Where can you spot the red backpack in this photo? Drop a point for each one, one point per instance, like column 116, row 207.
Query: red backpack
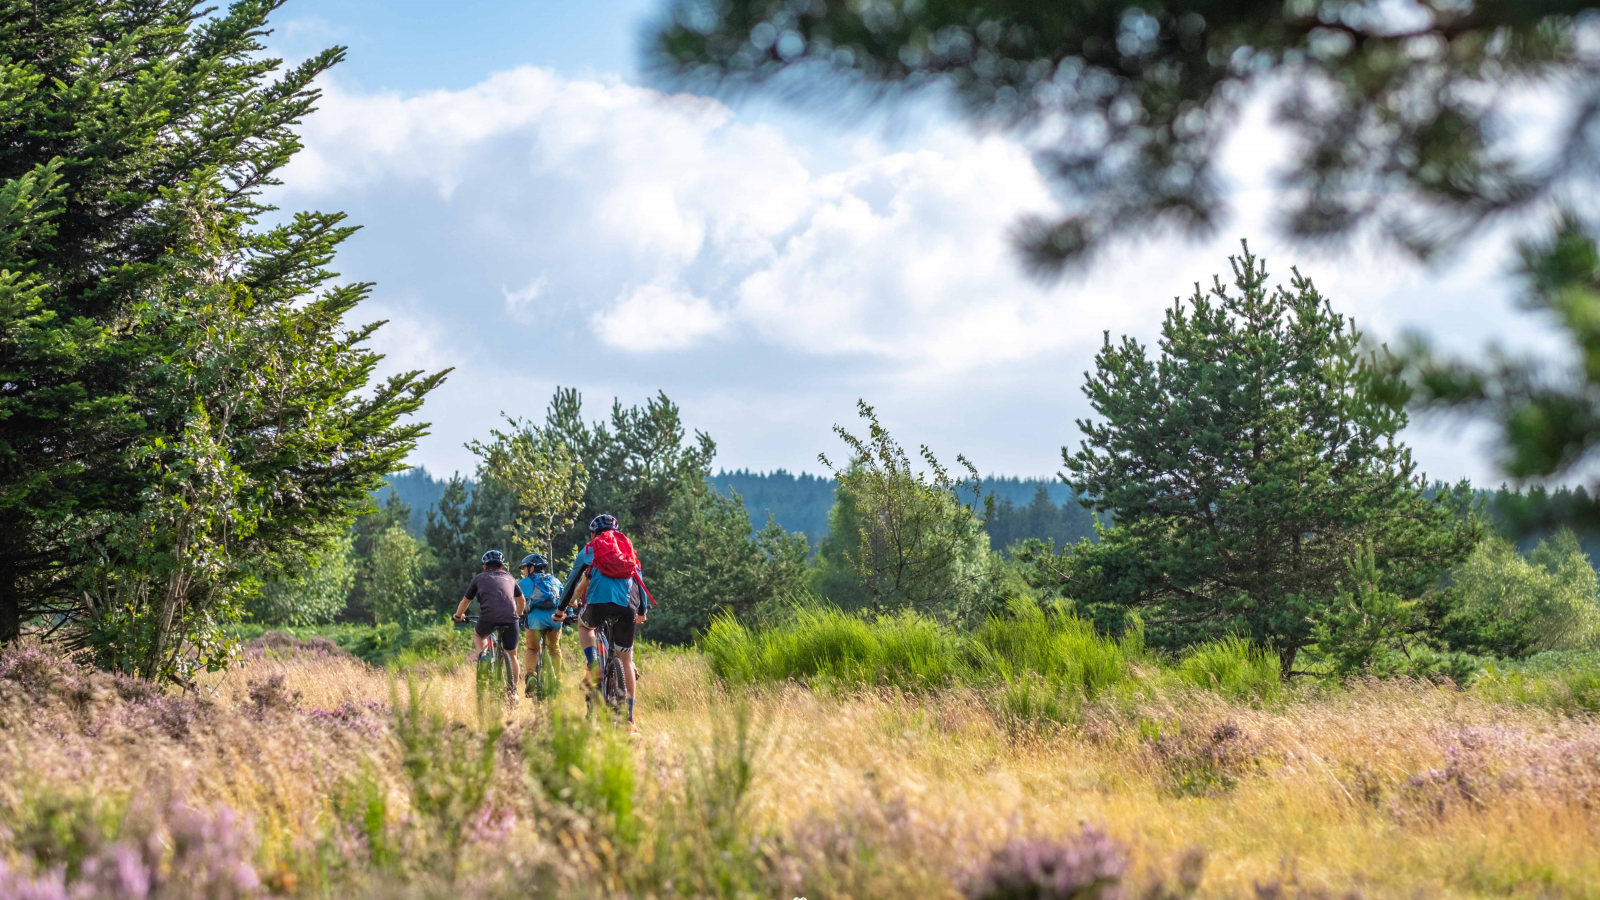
column 613, row 555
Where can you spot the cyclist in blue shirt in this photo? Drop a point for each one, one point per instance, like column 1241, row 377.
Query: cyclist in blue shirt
column 614, row 600
column 542, row 591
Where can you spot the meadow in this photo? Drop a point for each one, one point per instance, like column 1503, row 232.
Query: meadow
column 823, row 758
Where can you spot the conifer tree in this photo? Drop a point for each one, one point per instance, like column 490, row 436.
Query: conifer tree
column 1245, row 468
column 181, row 401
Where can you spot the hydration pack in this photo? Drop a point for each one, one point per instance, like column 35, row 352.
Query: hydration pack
column 613, row 555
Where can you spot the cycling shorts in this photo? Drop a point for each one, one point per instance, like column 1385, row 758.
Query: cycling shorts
column 508, row 632
column 621, row 619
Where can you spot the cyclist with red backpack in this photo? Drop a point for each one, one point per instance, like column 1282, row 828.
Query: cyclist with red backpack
column 613, row 583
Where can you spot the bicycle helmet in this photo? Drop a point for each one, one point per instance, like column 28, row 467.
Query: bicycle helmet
column 535, row 560
column 494, row 558
column 601, row 523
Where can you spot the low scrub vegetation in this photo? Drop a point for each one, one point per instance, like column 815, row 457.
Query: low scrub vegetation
column 308, row 772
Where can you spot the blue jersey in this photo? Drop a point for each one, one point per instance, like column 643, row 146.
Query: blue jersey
column 601, row 588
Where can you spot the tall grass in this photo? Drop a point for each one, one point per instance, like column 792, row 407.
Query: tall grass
column 1232, row 668
column 1400, row 789
column 824, row 645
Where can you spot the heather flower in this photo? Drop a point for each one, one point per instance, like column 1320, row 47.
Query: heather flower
column 1088, row 867
column 15, row 885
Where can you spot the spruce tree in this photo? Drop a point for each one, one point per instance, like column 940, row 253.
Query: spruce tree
column 1245, row 467
column 182, row 407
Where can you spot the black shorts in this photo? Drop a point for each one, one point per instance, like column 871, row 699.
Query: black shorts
column 620, row 617
column 508, row 632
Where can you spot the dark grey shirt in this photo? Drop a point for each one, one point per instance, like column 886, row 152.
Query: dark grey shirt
column 496, row 592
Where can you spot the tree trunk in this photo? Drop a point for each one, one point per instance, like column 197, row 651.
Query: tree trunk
column 1286, row 657
column 10, row 603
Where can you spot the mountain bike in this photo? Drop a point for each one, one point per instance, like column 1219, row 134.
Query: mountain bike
column 495, row 667
column 544, row 683
column 612, row 688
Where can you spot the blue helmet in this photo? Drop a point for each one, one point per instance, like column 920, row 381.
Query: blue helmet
column 538, row 562
column 601, row 523
column 494, row 558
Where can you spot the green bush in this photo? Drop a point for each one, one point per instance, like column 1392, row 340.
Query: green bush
column 907, row 650
column 1565, row 682
column 1061, row 649
column 387, row 645
column 1233, row 668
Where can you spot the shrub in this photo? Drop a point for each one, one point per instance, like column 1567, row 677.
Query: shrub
column 1200, row 762
column 1088, row 867
column 1066, row 652
column 906, row 650
column 1232, row 667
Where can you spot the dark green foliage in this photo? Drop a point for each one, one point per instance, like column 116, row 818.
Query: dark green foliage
column 799, row 503
column 703, row 562
column 1039, row 520
column 366, row 532
column 637, row 462
column 182, row 409
column 1267, row 466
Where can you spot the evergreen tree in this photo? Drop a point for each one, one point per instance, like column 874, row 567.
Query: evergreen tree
column 453, row 547
column 365, row 536
column 1246, row 468
column 182, row 410
column 703, row 562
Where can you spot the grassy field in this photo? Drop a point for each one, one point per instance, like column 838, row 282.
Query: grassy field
column 310, row 772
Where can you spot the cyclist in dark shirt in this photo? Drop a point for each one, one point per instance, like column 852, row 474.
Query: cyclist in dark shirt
column 500, row 605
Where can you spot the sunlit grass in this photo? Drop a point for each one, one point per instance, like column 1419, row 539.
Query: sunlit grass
column 875, row 790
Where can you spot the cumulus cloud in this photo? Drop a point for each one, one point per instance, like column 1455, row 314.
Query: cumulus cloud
column 657, row 316
column 690, row 227
column 534, row 230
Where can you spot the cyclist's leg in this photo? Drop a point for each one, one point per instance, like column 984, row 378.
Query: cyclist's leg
column 552, row 651
column 530, row 661
column 586, row 625
column 622, row 632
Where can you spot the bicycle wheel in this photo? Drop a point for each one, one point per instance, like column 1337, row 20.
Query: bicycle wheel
column 507, row 679
column 615, row 689
column 540, row 691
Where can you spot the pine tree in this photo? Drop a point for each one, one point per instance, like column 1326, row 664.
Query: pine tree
column 1245, row 468
column 182, row 408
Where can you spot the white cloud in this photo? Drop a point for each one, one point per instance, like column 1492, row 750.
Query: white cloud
column 657, row 316
column 808, row 271
column 900, row 256
column 519, row 303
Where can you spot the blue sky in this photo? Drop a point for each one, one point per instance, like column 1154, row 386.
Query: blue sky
column 536, row 214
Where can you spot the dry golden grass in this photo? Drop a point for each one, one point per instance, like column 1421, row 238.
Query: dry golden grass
column 1393, row 790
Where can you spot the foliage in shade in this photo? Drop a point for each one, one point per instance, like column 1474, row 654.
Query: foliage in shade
column 313, row 597
column 184, row 411
column 1245, row 467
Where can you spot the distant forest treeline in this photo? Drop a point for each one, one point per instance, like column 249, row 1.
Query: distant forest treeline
column 1041, row 508
column 1024, row 507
